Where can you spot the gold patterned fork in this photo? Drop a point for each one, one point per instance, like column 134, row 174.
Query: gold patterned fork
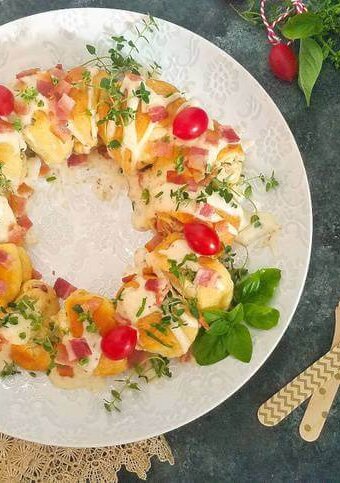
column 281, row 404
column 321, row 401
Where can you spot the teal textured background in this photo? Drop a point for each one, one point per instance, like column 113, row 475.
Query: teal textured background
column 229, row 444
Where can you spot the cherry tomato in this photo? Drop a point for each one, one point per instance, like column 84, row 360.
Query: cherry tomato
column 119, row 342
column 190, row 123
column 201, row 238
column 6, row 101
column 283, row 62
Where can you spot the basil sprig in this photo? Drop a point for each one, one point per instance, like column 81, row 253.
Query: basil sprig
column 304, row 27
column 228, row 333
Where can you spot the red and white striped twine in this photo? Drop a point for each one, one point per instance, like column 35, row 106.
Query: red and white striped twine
column 297, row 7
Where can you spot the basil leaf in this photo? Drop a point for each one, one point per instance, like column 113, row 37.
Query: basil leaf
column 258, row 287
column 310, row 64
column 223, row 325
column 302, row 26
column 239, row 343
column 209, row 349
column 261, row 316
column 212, row 315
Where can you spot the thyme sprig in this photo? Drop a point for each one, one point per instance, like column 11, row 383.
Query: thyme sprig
column 5, row 183
column 9, row 369
column 114, row 404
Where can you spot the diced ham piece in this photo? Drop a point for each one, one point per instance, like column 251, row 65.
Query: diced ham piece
column 57, row 71
column 65, row 371
column 44, row 169
column 128, row 278
column 64, row 107
column 173, row 177
column 17, row 204
column 45, row 88
column 25, row 190
column 206, row 210
column 61, row 88
column 195, row 151
column 62, row 355
column 3, row 287
column 36, row 275
column 157, row 113
column 28, row 72
column 4, row 258
column 16, row 234
column 122, row 320
column 76, row 159
column 5, row 126
column 24, row 222
column 63, row 288
column 206, row 277
column 197, row 158
column 154, row 242
column 229, row 134
column 212, row 137
column 21, row 107
column 162, row 149
column 159, row 286
column 80, row 349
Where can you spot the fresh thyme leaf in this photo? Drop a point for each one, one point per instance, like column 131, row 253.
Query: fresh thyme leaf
column 255, row 220
column 117, row 299
column 143, row 94
column 159, row 194
column 161, row 366
column 49, row 179
column 17, row 124
column 141, row 308
column 85, row 316
column 152, row 367
column 114, row 144
column 193, row 307
column 181, row 196
column 179, row 164
column 9, row 369
column 146, row 196
column 84, row 361
column 91, row 49
column 29, row 94
column 86, row 76
column 5, row 183
column 114, row 403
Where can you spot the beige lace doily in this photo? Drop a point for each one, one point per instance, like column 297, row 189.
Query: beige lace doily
column 22, row 461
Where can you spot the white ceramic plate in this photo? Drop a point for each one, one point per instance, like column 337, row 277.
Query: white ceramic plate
column 89, row 242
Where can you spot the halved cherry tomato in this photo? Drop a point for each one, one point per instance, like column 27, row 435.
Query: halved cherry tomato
column 190, row 123
column 119, row 342
column 6, row 101
column 201, row 238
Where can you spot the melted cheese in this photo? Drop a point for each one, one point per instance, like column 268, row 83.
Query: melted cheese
column 12, row 332
column 133, row 299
